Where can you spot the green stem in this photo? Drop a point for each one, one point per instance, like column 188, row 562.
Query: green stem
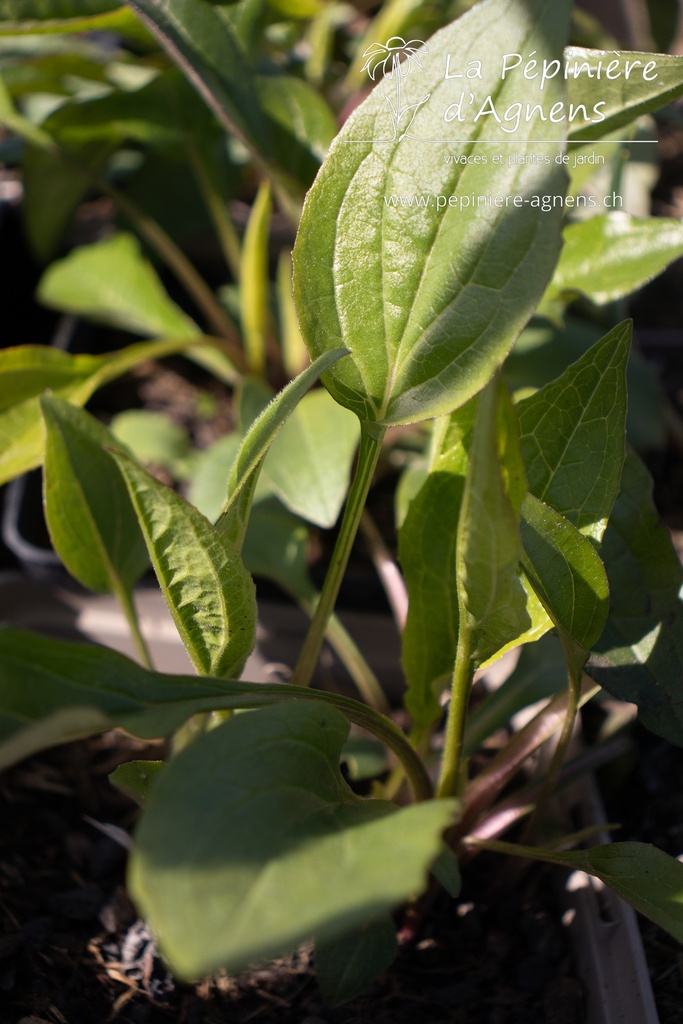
column 125, row 598
column 225, row 229
column 368, row 456
column 451, row 780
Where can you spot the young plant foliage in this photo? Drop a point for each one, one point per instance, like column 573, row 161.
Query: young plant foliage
column 202, row 576
column 252, row 842
column 89, row 514
column 429, row 298
column 110, row 281
column 572, row 435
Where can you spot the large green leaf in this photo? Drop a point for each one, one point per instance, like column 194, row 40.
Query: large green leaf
column 52, row 691
column 91, row 521
column 397, row 258
column 492, row 605
column 309, row 464
column 566, row 572
column 207, row 588
column 111, row 281
column 639, row 656
column 252, row 842
column 623, row 99
column 254, row 447
column 573, row 435
column 607, row 257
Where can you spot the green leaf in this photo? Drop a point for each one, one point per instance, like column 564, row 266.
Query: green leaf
column 208, row 590
column 491, row 599
column 112, row 282
column 427, row 545
column 89, row 515
column 135, row 778
column 153, row 438
column 284, row 125
column 52, row 192
column 252, row 842
column 572, row 435
column 427, row 552
column 566, row 572
column 117, row 19
column 647, row 878
column 44, row 10
column 544, row 352
column 624, row 100
column 52, row 691
column 276, row 542
column 209, row 484
column 301, row 124
column 309, row 464
column 258, row 439
column 28, row 370
column 639, row 657
column 346, row 966
column 254, row 281
column 276, row 548
column 429, row 300
column 608, row 257
column 294, row 354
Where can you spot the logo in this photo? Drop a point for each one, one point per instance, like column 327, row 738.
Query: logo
column 395, row 59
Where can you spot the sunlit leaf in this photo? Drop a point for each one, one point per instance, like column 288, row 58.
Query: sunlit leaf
column 429, row 296
column 112, row 282
column 208, row 590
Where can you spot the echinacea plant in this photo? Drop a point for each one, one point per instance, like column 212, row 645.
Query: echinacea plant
column 531, row 516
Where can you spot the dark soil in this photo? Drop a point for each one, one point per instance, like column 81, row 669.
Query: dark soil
column 72, row 950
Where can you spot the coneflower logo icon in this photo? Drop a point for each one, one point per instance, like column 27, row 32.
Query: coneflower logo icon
column 395, row 59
